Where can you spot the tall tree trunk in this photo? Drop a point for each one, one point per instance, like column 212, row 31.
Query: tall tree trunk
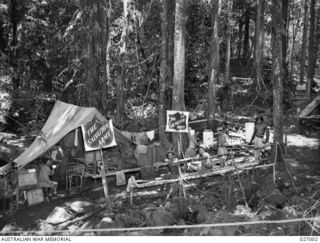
column 94, row 56
column 240, row 37
column 179, row 62
column 13, row 47
column 91, row 69
column 103, row 19
column 214, row 63
column 317, row 37
column 108, row 33
column 277, row 72
column 294, row 35
column 164, row 73
column 284, row 37
column 259, row 39
column 228, row 51
column 3, row 39
column 122, row 78
column 171, row 26
column 304, row 40
column 311, row 49
column 246, row 49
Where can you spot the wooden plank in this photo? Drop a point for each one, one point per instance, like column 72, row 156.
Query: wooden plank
column 220, row 171
column 113, row 173
column 160, row 164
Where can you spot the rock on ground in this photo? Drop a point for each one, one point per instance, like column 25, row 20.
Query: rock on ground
column 202, row 214
column 81, row 206
column 133, row 218
column 105, row 223
column 46, row 228
column 276, row 197
column 158, row 217
column 9, row 228
column 58, row 216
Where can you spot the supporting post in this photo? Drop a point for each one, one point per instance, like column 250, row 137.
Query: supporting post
column 229, row 194
column 182, row 192
column 180, row 146
column 169, row 194
column 181, row 183
column 274, row 167
column 17, row 197
column 104, row 183
column 239, row 179
column 131, row 196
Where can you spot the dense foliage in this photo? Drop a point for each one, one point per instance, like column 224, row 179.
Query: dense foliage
column 45, row 54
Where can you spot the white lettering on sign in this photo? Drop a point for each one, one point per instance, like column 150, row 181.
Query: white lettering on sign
column 98, row 134
column 173, row 124
column 104, row 138
column 92, row 129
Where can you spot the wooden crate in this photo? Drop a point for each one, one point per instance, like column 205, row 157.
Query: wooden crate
column 35, row 196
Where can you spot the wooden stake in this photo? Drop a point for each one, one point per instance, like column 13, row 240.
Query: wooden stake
column 181, row 183
column 274, row 165
column 131, row 196
column 179, row 146
column 239, row 179
column 229, row 194
column 104, row 183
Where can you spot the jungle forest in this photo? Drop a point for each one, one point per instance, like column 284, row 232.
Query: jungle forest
column 219, row 64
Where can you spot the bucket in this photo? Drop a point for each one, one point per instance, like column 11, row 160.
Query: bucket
column 208, row 138
column 249, row 128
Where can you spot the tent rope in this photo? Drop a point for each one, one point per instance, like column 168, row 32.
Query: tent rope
column 233, row 224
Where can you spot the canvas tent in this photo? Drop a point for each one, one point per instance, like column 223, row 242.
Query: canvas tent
column 311, row 108
column 63, row 119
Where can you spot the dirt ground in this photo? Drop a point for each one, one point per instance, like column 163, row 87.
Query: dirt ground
column 303, row 156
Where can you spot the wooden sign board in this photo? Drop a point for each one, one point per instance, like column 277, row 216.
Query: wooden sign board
column 177, row 121
column 97, row 135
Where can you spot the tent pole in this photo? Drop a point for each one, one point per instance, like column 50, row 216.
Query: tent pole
column 104, row 182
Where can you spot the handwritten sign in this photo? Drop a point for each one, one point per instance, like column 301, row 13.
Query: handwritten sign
column 177, row 121
column 97, row 134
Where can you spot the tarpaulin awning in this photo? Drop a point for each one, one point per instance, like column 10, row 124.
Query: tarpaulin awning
column 63, row 119
column 310, row 107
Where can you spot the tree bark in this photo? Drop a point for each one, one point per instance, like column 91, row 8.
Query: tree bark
column 179, row 62
column 259, row 39
column 317, row 37
column 228, row 51
column 171, row 25
column 311, row 49
column 214, row 63
column 13, row 47
column 246, row 49
column 284, row 37
column 94, row 53
column 108, row 32
column 304, row 41
column 122, row 57
column 240, row 37
column 3, row 39
column 294, row 35
column 103, row 19
column 277, row 73
column 164, row 73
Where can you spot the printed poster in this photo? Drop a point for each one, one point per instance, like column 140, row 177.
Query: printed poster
column 97, row 134
column 177, row 121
